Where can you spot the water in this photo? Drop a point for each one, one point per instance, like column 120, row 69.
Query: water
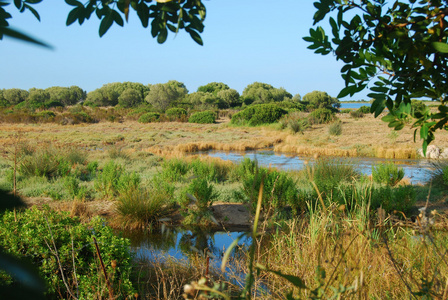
column 417, row 170
column 345, row 105
column 180, row 243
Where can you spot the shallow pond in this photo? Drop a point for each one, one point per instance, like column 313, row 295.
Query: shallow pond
column 352, row 105
column 417, row 170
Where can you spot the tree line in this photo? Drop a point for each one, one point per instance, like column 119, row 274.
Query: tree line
column 162, row 96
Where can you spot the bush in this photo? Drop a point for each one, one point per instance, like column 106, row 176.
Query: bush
column 43, row 162
column 388, row 174
column 279, row 189
column 174, row 169
column 113, row 180
column 346, row 111
column 149, row 117
column 321, row 116
column 210, row 170
column 198, row 198
column 391, row 199
column 53, row 241
column 45, row 116
column 203, row 117
column 143, row 208
column 364, row 109
column 176, row 114
column 335, row 128
column 356, row 114
column 258, row 114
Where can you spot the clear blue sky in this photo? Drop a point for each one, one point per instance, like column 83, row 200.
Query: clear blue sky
column 244, row 41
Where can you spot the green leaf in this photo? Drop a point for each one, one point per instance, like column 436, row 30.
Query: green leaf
column 117, row 18
column 72, row 16
column 73, row 3
column 345, row 91
column 163, row 34
column 440, row 47
column 7, row 31
column 106, row 23
column 296, row 281
column 424, row 129
column 33, row 11
column 388, row 118
column 18, row 4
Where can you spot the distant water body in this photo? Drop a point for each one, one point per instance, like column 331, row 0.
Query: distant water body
column 345, row 105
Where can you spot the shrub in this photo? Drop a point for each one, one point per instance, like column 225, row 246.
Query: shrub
column 328, row 174
column 198, row 197
column 45, row 116
column 335, row 128
column 176, row 114
column 321, row 116
column 143, row 208
column 346, row 111
column 43, row 162
column 388, row 174
column 113, row 180
column 53, row 241
column 149, row 117
column 392, row 199
column 356, row 114
column 258, row 114
column 364, row 109
column 445, row 175
column 210, row 170
column 203, row 117
column 174, row 169
column 279, row 189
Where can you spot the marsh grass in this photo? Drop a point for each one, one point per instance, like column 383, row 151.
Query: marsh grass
column 140, row 208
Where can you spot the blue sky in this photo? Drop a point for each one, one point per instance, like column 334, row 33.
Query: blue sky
column 244, row 41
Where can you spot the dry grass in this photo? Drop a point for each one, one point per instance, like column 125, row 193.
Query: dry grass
column 365, row 136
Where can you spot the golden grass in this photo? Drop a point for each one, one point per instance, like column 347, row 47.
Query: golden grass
column 364, row 136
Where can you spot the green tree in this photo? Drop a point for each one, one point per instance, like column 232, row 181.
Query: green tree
column 163, row 95
column 213, row 87
column 163, row 16
column 228, row 98
column 15, row 96
column 66, row 95
column 401, row 46
column 318, row 99
column 37, row 98
column 258, row 93
column 130, row 98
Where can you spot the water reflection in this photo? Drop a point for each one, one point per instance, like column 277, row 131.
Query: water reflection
column 417, row 170
column 181, row 243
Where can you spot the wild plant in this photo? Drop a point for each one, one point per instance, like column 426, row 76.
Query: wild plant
column 144, row 208
column 114, row 179
column 174, row 169
column 335, row 128
column 197, row 199
column 387, row 173
column 64, row 251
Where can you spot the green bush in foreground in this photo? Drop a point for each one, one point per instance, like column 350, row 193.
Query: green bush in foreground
column 335, row 128
column 203, row 117
column 388, row 174
column 322, row 116
column 53, row 241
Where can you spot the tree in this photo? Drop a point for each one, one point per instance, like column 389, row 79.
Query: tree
column 213, row 87
column 401, row 46
column 318, row 99
column 229, row 98
column 37, row 98
column 130, row 98
column 15, row 96
column 66, row 95
column 259, row 92
column 164, row 15
column 162, row 95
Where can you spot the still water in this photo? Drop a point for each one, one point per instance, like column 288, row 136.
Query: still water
column 352, row 105
column 417, row 170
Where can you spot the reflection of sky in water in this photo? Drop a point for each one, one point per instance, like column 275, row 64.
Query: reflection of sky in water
column 179, row 243
column 417, row 170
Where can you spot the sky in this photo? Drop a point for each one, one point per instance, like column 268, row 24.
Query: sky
column 244, row 41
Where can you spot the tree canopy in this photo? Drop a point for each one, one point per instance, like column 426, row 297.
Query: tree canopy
column 400, row 46
column 162, row 15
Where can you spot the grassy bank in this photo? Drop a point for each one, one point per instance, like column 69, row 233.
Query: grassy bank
column 364, row 136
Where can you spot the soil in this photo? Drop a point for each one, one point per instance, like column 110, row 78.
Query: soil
column 228, row 216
